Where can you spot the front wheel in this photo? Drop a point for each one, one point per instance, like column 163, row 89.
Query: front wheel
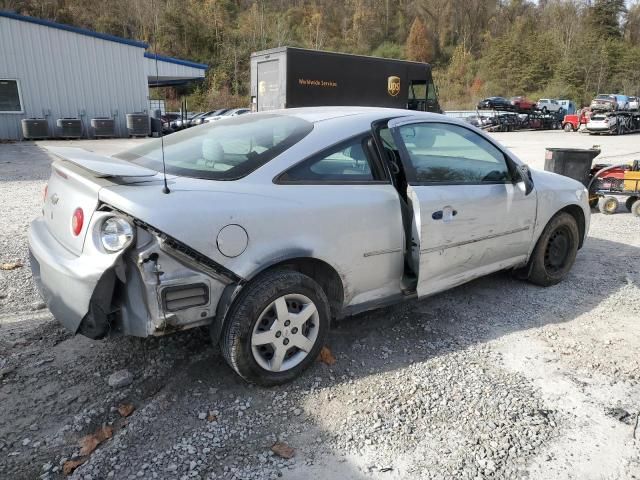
column 276, row 327
column 568, row 127
column 555, row 251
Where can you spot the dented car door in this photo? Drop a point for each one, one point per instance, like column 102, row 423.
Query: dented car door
column 470, row 215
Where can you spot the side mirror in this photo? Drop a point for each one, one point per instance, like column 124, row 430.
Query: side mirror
column 525, row 176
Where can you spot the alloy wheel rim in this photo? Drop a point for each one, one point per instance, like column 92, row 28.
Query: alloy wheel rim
column 285, row 332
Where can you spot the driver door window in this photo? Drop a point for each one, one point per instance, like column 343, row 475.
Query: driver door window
column 450, row 154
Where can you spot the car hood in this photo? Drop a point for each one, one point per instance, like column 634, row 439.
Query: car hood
column 544, row 180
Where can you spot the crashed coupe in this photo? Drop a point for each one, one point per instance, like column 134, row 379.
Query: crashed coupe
column 273, row 224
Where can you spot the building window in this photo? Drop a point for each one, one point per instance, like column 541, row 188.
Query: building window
column 10, row 101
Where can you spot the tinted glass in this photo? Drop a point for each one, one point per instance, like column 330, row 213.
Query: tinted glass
column 443, row 153
column 431, row 92
column 268, row 85
column 9, row 97
column 222, row 150
column 418, row 90
column 348, row 162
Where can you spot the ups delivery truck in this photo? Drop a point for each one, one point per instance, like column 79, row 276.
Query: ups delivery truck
column 290, row 77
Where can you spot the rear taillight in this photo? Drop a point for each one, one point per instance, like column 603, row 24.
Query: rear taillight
column 44, row 193
column 76, row 221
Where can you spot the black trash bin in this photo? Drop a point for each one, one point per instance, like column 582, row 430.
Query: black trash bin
column 571, row 162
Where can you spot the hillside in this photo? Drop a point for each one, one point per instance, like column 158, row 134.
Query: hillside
column 559, row 48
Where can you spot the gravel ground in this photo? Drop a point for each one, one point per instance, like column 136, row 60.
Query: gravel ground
column 495, row 379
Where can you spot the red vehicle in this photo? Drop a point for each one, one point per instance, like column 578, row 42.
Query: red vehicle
column 571, row 123
column 522, row 103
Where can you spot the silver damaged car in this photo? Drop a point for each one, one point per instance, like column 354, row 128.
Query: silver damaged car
column 273, row 224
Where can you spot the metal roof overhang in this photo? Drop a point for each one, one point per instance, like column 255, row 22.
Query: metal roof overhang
column 172, row 71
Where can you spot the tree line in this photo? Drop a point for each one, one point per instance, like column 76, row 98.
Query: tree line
column 550, row 48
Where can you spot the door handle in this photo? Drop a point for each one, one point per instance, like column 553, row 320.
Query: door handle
column 440, row 214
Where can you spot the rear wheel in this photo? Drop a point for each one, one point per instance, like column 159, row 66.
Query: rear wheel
column 629, row 202
column 555, row 251
column 608, row 205
column 635, row 208
column 276, row 327
column 568, row 127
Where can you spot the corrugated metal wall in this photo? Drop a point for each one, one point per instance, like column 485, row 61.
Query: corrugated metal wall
column 63, row 73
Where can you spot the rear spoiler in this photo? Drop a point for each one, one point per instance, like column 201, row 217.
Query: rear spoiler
column 100, row 165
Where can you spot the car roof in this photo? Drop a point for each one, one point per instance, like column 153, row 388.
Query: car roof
column 320, row 114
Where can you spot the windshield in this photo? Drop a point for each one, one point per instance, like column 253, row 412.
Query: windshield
column 225, row 150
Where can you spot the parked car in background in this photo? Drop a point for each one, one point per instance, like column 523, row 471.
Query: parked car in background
column 604, row 103
column 192, row 120
column 494, row 102
column 229, row 113
column 601, row 123
column 256, row 236
column 568, row 106
column 169, row 117
column 183, row 121
column 548, row 105
column 633, row 103
column 476, row 120
column 522, row 103
column 622, row 101
column 212, row 113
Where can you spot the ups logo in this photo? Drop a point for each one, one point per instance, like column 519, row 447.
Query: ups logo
column 393, row 85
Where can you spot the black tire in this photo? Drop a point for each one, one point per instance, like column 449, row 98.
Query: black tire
column 555, row 252
column 635, row 208
column 544, row 110
column 593, row 202
column 235, row 340
column 608, row 205
column 629, row 202
column 568, row 127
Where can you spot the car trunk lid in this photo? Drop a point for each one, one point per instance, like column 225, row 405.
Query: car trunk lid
column 74, row 184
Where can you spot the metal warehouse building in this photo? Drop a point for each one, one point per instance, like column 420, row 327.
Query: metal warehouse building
column 52, row 71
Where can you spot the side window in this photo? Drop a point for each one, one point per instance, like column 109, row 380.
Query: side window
column 347, row 162
column 444, row 153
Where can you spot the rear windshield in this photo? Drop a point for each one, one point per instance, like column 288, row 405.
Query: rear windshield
column 222, row 150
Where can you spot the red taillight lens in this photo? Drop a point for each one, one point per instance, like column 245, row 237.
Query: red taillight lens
column 44, row 193
column 76, row 221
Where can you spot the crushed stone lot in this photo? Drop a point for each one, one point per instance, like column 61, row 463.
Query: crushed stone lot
column 494, row 379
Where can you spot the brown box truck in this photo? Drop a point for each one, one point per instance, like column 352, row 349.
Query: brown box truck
column 290, row 77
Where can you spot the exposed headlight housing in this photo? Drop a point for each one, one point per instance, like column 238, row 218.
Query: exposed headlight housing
column 115, row 234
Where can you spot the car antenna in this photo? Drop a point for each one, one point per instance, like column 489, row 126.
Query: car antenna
column 165, row 189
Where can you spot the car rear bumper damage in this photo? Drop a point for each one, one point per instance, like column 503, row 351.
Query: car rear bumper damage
column 150, row 288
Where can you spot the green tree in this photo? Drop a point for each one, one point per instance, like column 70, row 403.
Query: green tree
column 605, row 16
